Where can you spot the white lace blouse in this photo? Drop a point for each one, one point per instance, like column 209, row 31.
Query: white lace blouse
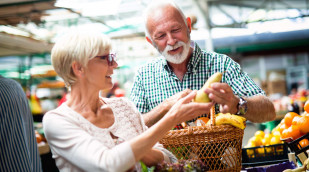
column 78, row 145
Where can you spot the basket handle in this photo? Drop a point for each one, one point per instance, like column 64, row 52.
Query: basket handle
column 213, row 116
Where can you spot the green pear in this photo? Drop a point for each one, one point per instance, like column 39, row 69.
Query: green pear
column 201, row 96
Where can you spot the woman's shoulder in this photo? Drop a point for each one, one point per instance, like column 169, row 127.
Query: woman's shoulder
column 61, row 112
column 121, row 104
column 118, row 100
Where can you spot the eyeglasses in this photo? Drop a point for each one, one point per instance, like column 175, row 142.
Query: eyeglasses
column 111, row 58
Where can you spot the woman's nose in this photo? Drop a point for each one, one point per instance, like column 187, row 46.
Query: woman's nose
column 115, row 64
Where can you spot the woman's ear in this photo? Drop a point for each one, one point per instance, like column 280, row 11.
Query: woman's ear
column 77, row 68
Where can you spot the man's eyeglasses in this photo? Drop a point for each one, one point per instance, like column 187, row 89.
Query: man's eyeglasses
column 111, row 58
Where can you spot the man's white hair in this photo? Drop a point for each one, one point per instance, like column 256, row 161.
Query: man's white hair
column 157, row 5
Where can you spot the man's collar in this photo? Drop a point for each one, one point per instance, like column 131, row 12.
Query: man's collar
column 195, row 58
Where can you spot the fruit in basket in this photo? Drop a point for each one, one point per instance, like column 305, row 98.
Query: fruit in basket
column 234, row 120
column 303, row 143
column 201, row 121
column 201, row 96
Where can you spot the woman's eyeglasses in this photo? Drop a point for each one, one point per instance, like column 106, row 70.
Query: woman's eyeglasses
column 111, row 58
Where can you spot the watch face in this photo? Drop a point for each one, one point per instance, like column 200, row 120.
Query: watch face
column 242, row 106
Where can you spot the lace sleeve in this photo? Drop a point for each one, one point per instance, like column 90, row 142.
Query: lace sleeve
column 168, row 156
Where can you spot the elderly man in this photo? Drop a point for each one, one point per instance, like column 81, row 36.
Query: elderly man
column 184, row 66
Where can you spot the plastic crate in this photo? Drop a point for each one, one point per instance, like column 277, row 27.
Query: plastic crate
column 264, row 155
column 296, row 147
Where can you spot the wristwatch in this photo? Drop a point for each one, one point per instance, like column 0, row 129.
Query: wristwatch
column 242, row 107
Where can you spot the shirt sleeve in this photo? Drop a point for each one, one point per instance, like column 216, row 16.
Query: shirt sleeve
column 241, row 83
column 78, row 147
column 168, row 156
column 138, row 94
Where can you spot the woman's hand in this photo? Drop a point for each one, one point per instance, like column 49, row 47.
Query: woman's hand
column 153, row 157
column 169, row 102
column 184, row 109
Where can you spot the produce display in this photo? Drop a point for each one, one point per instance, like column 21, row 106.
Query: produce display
column 262, row 140
column 292, row 126
column 292, row 130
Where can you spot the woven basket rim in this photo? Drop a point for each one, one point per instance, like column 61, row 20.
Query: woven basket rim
column 205, row 129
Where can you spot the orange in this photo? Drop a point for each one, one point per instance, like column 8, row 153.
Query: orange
column 295, row 120
column 266, row 139
column 303, row 143
column 259, row 133
column 282, row 127
column 275, row 140
column 38, row 136
column 202, row 121
column 305, row 114
column 250, row 152
column 260, row 150
column 306, row 106
column 257, row 140
column 289, row 117
column 276, row 133
column 292, row 132
column 284, row 134
column 303, row 124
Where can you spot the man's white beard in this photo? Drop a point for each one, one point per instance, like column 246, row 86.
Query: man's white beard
column 177, row 58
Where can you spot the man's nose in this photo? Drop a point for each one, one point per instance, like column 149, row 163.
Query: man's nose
column 171, row 40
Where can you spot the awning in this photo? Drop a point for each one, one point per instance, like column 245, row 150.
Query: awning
column 11, row 45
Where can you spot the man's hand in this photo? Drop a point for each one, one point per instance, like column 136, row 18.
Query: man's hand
column 222, row 93
column 260, row 108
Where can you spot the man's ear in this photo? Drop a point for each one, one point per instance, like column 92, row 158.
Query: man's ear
column 189, row 23
column 77, row 68
column 149, row 40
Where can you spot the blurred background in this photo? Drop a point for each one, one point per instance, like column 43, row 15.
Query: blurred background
column 268, row 38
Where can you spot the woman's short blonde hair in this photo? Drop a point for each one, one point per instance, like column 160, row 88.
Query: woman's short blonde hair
column 77, row 46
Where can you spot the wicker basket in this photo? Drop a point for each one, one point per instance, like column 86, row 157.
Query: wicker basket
column 219, row 147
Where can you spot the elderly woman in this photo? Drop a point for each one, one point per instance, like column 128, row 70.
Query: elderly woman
column 92, row 133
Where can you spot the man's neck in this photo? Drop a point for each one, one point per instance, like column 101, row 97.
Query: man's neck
column 180, row 69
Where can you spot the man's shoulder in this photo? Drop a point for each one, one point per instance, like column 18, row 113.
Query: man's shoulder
column 153, row 64
column 213, row 54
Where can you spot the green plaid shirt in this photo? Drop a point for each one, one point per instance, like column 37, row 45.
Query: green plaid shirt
column 155, row 81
